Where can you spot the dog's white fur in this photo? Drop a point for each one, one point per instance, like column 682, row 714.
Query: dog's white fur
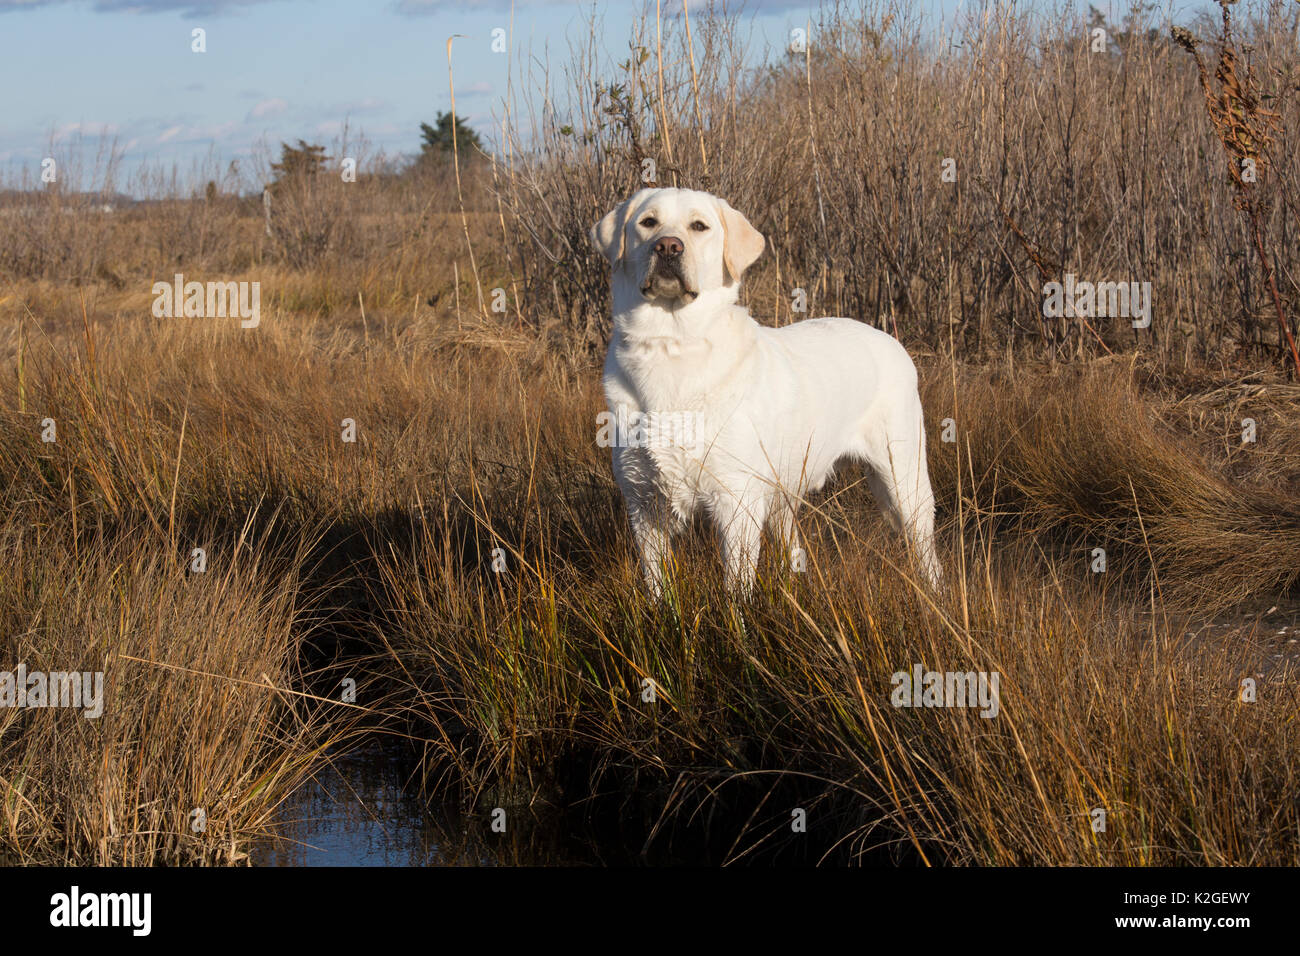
column 774, row 409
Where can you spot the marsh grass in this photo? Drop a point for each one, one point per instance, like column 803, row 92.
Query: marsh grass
column 1116, row 694
column 198, row 711
column 1119, row 690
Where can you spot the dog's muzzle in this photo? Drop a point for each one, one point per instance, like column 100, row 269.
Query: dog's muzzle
column 665, row 279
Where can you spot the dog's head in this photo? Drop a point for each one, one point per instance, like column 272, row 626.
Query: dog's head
column 675, row 244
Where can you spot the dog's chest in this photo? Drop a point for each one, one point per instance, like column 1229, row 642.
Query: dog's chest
column 667, row 370
column 670, row 391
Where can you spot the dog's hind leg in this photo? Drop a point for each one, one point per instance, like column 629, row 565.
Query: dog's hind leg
column 900, row 482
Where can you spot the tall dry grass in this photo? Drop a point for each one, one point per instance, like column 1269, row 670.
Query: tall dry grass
column 202, row 735
column 1120, row 691
column 1100, row 164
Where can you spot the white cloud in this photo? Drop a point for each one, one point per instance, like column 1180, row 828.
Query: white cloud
column 271, row 107
column 84, row 129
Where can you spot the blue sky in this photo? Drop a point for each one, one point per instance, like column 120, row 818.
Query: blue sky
column 278, row 70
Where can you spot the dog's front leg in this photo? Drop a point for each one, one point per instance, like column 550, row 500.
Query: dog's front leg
column 785, row 530
column 650, row 513
column 653, row 535
column 740, row 527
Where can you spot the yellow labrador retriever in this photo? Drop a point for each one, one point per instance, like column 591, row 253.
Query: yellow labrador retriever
column 753, row 418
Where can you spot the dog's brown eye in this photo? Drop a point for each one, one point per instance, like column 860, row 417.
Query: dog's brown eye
column 649, row 222
column 698, row 226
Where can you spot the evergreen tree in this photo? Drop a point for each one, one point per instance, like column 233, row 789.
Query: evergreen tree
column 437, row 142
column 298, row 163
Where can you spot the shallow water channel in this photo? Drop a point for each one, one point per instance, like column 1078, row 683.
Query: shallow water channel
column 364, row 809
column 357, row 812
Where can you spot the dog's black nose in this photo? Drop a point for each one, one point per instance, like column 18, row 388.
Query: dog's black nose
column 669, row 247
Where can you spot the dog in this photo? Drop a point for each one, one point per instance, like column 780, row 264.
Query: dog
column 761, row 415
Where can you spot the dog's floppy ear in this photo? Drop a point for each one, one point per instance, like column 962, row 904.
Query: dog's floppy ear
column 607, row 235
column 742, row 243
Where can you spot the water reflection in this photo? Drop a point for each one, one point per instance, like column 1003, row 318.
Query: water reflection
column 364, row 810
column 359, row 812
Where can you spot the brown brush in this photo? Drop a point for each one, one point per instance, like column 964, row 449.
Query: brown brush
column 1246, row 129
